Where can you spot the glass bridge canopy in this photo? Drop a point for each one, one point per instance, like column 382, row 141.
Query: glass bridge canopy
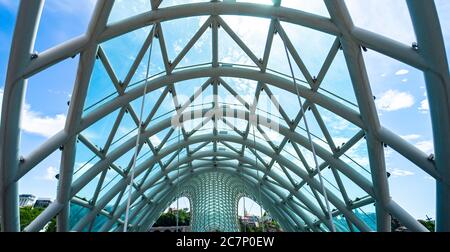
column 268, row 98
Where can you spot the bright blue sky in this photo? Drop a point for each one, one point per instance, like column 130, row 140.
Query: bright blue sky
column 401, row 97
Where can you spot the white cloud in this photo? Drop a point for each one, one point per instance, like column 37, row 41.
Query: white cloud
column 336, row 123
column 411, row 137
column 155, row 140
column 9, row 4
column 177, row 46
column 424, row 106
column 50, row 174
column 395, row 23
column 35, row 123
column 71, row 7
column 402, row 72
column 393, row 100
column 401, row 173
column 425, row 146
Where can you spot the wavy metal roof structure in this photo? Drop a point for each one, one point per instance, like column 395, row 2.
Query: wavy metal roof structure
column 219, row 155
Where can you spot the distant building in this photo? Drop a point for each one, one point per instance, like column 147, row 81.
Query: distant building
column 170, row 229
column 250, row 220
column 42, row 203
column 26, row 200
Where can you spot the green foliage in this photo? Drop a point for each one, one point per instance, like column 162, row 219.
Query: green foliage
column 429, row 224
column 396, row 226
column 28, row 214
column 169, row 219
column 267, row 226
column 51, row 226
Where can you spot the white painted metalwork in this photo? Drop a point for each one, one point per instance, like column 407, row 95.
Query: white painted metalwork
column 297, row 206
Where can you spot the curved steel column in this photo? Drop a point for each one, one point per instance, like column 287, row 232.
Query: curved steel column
column 14, row 95
column 431, row 47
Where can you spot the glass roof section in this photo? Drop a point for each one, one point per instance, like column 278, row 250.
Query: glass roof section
column 271, row 102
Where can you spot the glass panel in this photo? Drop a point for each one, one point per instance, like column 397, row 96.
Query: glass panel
column 98, row 132
column 315, row 7
column 341, row 130
column 337, row 83
column 312, row 46
column 395, row 22
column 171, row 3
column 122, row 9
column 251, row 30
column 111, row 179
column 278, row 62
column 122, row 51
column 157, row 67
column 56, row 17
column 84, row 160
column 101, row 88
column 230, row 52
column 87, row 192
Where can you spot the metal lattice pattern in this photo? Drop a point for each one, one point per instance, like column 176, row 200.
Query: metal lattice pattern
column 105, row 100
column 214, row 199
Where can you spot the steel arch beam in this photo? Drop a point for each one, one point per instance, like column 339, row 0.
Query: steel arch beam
column 348, row 114
column 145, row 187
column 28, row 19
column 222, row 165
column 186, row 175
column 53, row 143
column 284, row 184
column 371, row 40
column 431, row 47
column 281, row 160
column 85, row 68
column 428, row 58
column 358, row 73
column 267, row 203
column 295, row 137
column 414, row 225
column 365, row 184
column 167, row 185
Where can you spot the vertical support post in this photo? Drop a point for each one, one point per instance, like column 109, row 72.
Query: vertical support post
column 215, row 42
column 27, row 25
column 431, row 47
column 65, row 179
column 87, row 61
column 361, row 85
column 84, row 72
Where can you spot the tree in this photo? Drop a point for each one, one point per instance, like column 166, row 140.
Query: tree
column 28, row 214
column 51, row 227
column 429, row 224
column 266, row 226
column 169, row 219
